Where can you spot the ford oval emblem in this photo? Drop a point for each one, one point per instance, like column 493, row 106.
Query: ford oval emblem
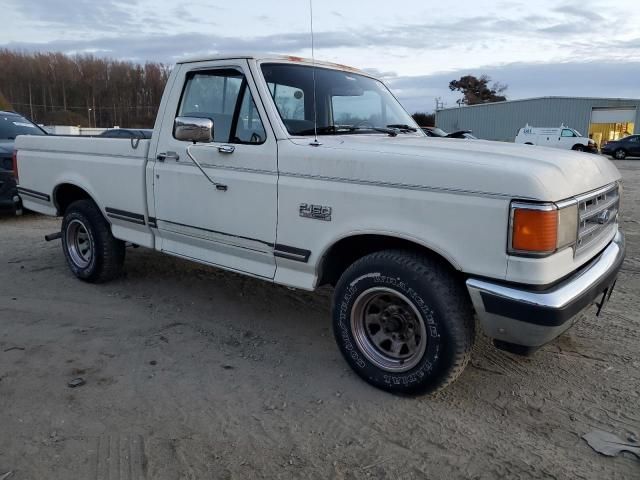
column 604, row 217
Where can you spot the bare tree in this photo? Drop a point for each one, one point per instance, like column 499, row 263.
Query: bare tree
column 83, row 89
column 4, row 103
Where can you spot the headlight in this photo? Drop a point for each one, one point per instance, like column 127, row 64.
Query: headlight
column 540, row 229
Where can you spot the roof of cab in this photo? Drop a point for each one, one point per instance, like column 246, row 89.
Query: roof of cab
column 275, row 58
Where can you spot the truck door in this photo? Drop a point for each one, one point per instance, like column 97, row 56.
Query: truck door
column 567, row 139
column 231, row 223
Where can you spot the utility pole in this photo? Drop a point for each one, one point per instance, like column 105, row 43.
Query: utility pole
column 31, row 103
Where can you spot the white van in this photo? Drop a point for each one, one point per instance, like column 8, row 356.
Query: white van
column 563, row 137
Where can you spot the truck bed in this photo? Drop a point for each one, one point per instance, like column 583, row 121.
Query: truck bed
column 111, row 170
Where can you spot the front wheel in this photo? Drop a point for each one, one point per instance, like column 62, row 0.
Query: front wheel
column 92, row 252
column 578, row 148
column 619, row 154
column 403, row 322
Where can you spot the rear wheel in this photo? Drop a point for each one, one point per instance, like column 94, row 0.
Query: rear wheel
column 619, row 154
column 92, row 253
column 403, row 322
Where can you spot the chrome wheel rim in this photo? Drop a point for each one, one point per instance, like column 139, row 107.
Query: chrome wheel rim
column 79, row 243
column 620, row 154
column 388, row 329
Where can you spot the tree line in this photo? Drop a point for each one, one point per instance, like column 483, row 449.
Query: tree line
column 58, row 89
column 53, row 88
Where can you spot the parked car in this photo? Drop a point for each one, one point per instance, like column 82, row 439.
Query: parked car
column 438, row 132
column 11, row 125
column 623, row 148
column 127, row 133
column 564, row 137
column 416, row 234
column 464, row 134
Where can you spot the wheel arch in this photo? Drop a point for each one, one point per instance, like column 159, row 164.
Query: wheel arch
column 65, row 193
column 338, row 256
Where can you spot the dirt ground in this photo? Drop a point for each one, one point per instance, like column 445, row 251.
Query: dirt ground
column 194, row 373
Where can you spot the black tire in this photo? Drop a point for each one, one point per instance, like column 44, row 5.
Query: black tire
column 106, row 257
column 620, row 154
column 578, row 148
column 434, row 292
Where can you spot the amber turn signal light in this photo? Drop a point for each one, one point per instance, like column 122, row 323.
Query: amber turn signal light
column 534, row 230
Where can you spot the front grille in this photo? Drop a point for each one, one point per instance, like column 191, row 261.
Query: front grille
column 597, row 215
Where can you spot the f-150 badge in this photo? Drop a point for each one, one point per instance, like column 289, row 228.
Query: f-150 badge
column 317, row 212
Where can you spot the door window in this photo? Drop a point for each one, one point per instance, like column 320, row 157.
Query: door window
column 567, row 133
column 249, row 128
column 223, row 96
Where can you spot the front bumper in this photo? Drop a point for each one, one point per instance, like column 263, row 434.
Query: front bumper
column 531, row 318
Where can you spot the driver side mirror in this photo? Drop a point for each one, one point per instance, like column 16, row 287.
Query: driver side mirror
column 193, row 129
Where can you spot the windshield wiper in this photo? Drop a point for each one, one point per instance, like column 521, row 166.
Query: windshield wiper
column 341, row 129
column 389, row 131
column 403, row 127
column 329, row 130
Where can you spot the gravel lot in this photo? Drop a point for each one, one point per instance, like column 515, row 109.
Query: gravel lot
column 194, row 373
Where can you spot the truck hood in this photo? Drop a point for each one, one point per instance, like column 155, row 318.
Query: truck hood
column 479, row 166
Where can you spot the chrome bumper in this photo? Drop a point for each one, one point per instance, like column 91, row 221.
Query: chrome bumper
column 531, row 318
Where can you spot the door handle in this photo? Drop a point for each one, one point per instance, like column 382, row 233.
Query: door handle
column 226, row 148
column 161, row 157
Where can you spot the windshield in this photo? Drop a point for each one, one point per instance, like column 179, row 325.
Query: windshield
column 578, row 134
column 12, row 125
column 346, row 102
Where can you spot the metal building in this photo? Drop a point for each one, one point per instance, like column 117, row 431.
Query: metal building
column 602, row 119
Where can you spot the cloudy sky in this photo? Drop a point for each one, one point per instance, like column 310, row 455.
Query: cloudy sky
column 583, row 48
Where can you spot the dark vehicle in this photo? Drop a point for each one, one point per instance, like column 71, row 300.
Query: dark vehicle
column 623, row 148
column 438, row 132
column 11, row 125
column 127, row 133
column 465, row 134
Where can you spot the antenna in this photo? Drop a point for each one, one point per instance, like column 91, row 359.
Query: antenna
column 315, row 142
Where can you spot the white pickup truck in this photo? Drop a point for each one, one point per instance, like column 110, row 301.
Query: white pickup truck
column 418, row 235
